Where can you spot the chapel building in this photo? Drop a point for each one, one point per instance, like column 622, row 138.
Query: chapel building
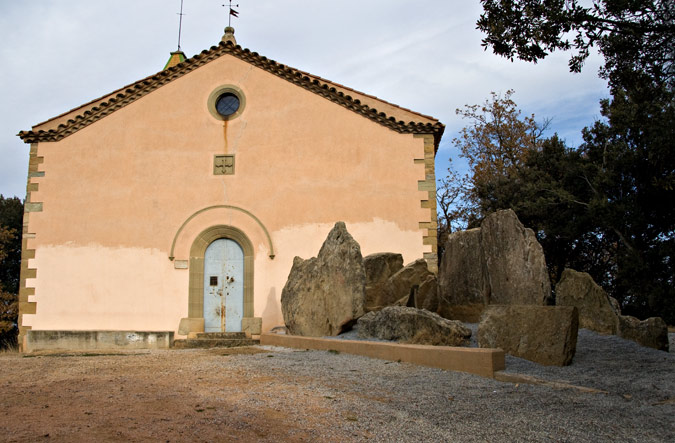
column 177, row 203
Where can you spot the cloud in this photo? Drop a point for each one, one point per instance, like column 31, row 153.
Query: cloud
column 423, row 55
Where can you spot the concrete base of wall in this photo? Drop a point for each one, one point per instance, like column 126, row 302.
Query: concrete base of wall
column 95, row 340
column 479, row 361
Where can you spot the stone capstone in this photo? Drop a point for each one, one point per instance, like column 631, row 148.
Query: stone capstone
column 597, row 311
column 324, row 295
column 379, row 267
column 652, row 332
column 543, row 334
column 412, row 325
column 499, row 263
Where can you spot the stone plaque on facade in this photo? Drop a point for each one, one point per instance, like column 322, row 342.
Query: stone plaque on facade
column 223, row 165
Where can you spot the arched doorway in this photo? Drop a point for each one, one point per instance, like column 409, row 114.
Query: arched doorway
column 236, row 245
column 223, row 286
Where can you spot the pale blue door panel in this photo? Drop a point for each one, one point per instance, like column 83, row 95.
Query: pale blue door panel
column 223, row 286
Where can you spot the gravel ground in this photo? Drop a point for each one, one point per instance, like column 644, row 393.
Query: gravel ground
column 280, row 394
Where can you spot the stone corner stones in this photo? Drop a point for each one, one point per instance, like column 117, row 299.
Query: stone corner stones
column 543, row 334
column 499, row 263
column 596, row 311
column 324, row 295
column 412, row 325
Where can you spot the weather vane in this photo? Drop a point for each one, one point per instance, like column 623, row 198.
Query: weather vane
column 231, row 14
column 180, row 22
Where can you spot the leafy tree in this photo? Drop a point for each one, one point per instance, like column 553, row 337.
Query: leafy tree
column 8, row 301
column 636, row 37
column 632, row 190
column 11, row 220
column 621, row 179
column 451, row 205
column 495, row 144
column 603, row 208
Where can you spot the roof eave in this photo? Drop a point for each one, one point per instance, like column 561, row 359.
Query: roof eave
column 307, row 81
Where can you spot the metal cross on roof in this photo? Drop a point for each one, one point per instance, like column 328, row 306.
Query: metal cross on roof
column 232, row 13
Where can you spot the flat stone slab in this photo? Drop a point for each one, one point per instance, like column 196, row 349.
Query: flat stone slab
column 483, row 362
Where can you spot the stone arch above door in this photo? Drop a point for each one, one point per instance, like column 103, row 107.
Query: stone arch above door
column 196, row 267
column 182, row 235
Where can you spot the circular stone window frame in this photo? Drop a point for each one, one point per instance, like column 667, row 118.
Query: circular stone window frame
column 217, row 93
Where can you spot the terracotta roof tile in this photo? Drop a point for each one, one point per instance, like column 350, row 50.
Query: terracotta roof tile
column 366, row 105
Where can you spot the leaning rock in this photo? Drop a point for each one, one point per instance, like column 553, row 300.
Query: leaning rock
column 379, row 267
column 405, row 282
column 597, row 311
column 324, row 295
column 514, row 261
column 652, row 332
column 462, row 283
column 413, row 325
column 543, row 334
column 427, row 294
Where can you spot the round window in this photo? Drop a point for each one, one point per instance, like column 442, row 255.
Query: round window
column 227, row 104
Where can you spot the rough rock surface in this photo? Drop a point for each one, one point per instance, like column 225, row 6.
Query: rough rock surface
column 499, row 263
column 544, row 334
column 514, row 261
column 407, row 280
column 462, row 283
column 597, row 311
column 413, row 325
column 379, row 267
column 324, row 295
column 652, row 332
column 427, row 294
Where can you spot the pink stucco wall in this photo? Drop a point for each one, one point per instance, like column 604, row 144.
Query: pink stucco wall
column 116, row 192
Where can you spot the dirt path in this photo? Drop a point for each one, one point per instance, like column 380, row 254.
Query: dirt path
column 277, row 394
column 158, row 396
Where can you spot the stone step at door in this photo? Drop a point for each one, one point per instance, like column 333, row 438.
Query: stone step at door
column 195, row 343
column 221, row 335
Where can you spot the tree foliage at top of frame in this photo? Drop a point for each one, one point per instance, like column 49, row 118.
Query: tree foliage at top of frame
column 635, row 37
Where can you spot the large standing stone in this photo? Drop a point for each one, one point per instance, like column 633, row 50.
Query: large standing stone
column 379, row 267
column 652, row 332
column 597, row 312
column 413, row 325
column 404, row 282
column 543, row 334
column 499, row 263
column 462, row 284
column 514, row 261
column 324, row 295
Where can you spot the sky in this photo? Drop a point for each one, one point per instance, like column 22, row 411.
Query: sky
column 425, row 55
